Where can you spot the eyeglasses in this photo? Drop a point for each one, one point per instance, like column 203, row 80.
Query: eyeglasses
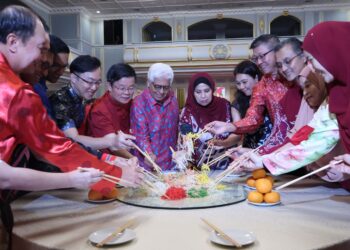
column 125, row 90
column 97, row 83
column 287, row 61
column 261, row 57
column 160, row 87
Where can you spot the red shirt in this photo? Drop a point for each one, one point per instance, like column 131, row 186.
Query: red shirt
column 24, row 120
column 268, row 94
column 108, row 116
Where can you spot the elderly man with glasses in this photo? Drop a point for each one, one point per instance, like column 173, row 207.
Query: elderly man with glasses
column 70, row 106
column 154, row 117
column 267, row 95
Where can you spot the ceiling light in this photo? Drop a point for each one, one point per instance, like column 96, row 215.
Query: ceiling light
column 98, row 12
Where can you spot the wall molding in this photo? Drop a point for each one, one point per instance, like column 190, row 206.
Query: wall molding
column 192, row 13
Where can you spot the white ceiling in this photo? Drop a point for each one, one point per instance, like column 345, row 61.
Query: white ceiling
column 108, row 7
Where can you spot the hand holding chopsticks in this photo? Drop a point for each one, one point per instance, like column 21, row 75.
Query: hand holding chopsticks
column 115, row 233
column 222, row 234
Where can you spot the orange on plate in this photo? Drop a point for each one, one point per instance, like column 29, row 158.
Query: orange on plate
column 251, row 182
column 263, row 185
column 255, row 196
column 272, row 197
column 112, row 195
column 94, row 195
column 259, row 173
column 270, row 178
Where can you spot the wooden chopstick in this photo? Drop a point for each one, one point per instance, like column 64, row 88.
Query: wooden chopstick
column 116, row 180
column 116, row 232
column 146, row 155
column 307, row 175
column 222, row 234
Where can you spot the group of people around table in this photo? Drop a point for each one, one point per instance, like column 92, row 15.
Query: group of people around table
column 292, row 105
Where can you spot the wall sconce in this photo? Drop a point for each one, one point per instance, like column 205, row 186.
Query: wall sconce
column 261, row 25
column 220, row 16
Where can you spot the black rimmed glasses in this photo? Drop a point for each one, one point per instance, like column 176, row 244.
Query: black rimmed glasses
column 287, row 61
column 97, row 83
column 261, row 57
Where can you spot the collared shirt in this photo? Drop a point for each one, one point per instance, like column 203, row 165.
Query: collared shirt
column 108, row 116
column 24, row 120
column 41, row 89
column 69, row 109
column 155, row 126
column 267, row 94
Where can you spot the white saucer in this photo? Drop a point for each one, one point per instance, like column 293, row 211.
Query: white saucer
column 264, row 204
column 99, row 201
column 242, row 237
column 100, row 235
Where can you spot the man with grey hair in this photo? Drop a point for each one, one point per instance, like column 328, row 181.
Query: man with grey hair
column 154, row 117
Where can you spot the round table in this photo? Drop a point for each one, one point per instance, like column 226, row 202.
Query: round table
column 313, row 215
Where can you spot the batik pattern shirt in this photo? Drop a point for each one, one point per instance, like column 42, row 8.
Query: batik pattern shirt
column 267, row 94
column 318, row 138
column 68, row 108
column 202, row 154
column 155, row 127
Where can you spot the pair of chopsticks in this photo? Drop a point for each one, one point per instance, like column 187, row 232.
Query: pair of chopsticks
column 307, row 175
column 117, row 180
column 116, row 232
column 146, row 155
column 222, row 234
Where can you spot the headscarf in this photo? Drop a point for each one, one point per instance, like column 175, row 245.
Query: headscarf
column 328, row 43
column 216, row 110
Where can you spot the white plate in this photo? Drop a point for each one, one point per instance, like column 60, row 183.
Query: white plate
column 242, row 237
column 98, row 236
column 100, row 201
column 264, row 204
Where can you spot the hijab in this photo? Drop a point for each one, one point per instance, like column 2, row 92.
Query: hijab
column 216, row 110
column 328, row 43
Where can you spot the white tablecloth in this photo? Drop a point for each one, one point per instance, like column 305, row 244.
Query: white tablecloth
column 313, row 215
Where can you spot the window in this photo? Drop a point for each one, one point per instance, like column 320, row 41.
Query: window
column 220, row 29
column 286, row 26
column 156, row 31
column 113, row 32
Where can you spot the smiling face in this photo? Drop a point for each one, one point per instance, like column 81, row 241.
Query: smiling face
column 122, row 90
column 245, row 83
column 86, row 84
column 314, row 87
column 29, row 54
column 289, row 63
column 264, row 57
column 203, row 94
column 160, row 88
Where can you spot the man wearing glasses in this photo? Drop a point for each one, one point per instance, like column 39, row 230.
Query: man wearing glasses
column 154, row 117
column 111, row 113
column 70, row 105
column 267, row 94
column 290, row 62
